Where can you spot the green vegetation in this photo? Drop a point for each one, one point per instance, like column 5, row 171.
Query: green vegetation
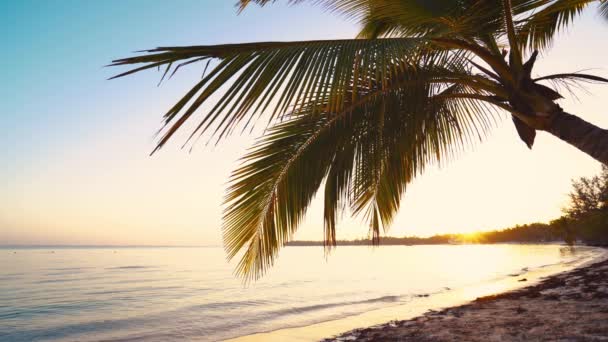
column 422, row 81
column 586, row 217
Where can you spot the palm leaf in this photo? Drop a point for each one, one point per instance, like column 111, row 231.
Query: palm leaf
column 365, row 116
column 367, row 153
column 270, row 193
column 295, row 73
column 538, row 20
column 604, row 8
column 574, row 76
column 538, row 29
column 571, row 81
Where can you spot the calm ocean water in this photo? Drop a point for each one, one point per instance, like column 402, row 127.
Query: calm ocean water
column 117, row 294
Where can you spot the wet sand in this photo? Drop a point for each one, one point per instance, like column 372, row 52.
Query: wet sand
column 570, row 306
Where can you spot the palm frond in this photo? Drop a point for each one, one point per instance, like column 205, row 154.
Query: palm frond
column 429, row 18
column 571, row 81
column 367, row 153
column 574, row 76
column 538, row 29
column 537, row 22
column 241, row 4
column 434, row 18
column 604, row 8
column 295, row 73
column 270, row 193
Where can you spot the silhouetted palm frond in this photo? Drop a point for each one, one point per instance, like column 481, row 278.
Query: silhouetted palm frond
column 367, row 153
column 274, row 75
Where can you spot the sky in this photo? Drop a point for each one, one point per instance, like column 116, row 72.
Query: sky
column 75, row 146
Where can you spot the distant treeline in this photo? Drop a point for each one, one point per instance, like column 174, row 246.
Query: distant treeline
column 529, row 233
column 585, row 220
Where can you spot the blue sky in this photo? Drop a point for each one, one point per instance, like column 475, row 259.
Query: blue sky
column 55, row 84
column 76, row 145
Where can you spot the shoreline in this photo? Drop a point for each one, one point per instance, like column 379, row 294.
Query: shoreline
column 452, row 298
column 569, row 306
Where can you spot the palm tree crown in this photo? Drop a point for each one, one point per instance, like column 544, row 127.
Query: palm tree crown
column 362, row 117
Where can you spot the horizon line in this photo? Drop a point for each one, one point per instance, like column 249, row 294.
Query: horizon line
column 98, row 246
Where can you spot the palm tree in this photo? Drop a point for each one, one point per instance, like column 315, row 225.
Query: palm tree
column 362, row 117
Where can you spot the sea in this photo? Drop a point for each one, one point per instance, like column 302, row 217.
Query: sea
column 191, row 293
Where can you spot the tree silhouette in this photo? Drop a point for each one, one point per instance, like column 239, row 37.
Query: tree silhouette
column 364, row 116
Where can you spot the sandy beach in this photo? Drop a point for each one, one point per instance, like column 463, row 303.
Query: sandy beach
column 571, row 306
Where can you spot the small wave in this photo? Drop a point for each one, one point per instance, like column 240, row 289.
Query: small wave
column 270, row 314
column 133, row 267
column 527, row 269
column 316, row 307
column 227, row 305
column 132, row 290
column 10, row 277
column 61, row 273
column 50, row 309
column 142, row 280
column 77, row 269
column 67, row 280
column 384, row 299
column 13, row 274
column 289, row 283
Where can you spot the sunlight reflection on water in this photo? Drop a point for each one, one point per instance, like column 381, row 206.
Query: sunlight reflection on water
column 168, row 293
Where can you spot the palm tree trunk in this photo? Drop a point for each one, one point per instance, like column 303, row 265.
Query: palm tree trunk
column 581, row 134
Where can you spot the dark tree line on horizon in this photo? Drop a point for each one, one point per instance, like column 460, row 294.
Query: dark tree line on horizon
column 585, row 220
column 528, row 233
